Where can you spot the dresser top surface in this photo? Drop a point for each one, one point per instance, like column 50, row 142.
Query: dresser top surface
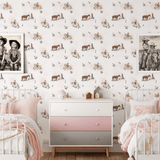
column 80, row 100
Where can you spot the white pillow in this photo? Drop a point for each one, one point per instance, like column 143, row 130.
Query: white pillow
column 142, row 103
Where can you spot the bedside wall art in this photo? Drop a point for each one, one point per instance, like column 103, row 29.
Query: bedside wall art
column 11, row 53
column 148, row 50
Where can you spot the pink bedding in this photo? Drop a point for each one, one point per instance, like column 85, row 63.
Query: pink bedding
column 131, row 131
column 33, row 139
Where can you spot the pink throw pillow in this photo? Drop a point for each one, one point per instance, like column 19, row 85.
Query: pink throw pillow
column 26, row 106
column 139, row 110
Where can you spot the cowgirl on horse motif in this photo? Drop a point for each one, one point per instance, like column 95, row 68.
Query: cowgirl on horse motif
column 14, row 55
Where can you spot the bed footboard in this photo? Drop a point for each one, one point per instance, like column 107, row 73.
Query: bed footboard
column 11, row 155
column 148, row 148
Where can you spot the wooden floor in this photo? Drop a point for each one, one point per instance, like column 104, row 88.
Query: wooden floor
column 85, row 156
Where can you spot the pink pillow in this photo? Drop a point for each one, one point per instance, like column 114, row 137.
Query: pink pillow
column 139, row 110
column 26, row 106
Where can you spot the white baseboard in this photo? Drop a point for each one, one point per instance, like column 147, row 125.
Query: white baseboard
column 115, row 148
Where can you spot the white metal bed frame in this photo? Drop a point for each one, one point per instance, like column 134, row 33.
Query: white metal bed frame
column 16, row 156
column 150, row 96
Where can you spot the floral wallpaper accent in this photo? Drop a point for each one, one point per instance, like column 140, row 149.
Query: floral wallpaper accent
column 78, row 45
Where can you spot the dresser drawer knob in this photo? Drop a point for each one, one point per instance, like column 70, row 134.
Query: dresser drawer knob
column 64, row 109
column 97, row 124
column 97, row 138
column 65, row 124
column 64, row 138
column 97, row 109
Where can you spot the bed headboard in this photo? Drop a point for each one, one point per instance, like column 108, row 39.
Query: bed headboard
column 139, row 95
column 19, row 94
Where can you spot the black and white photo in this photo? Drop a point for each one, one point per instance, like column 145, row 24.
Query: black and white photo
column 148, row 58
column 11, row 53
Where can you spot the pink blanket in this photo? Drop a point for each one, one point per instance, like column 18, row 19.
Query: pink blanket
column 33, row 139
column 130, row 133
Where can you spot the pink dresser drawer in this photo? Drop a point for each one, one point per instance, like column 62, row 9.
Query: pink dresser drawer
column 80, row 123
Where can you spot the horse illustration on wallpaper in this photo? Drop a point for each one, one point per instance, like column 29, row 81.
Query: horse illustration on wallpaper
column 87, row 77
column 136, row 84
column 136, row 24
column 157, row 6
column 57, row 77
column 127, row 6
column 127, row 66
column 105, row 84
column 67, row 6
column 6, row 6
column 67, row 36
column 37, row 66
column 75, row 24
column 148, row 77
column 127, row 36
column 97, row 6
column 25, row 78
column 45, row 54
column 15, row 24
column 57, row 17
column 118, row 108
column 45, row 24
column 117, row 17
column 87, row 47
column 25, row 17
column 67, row 66
column 57, row 47
column 105, row 24
column 147, row 17
column 37, row 6
column 75, row 54
column 36, row 36
column 117, row 47
column 97, row 67
column 75, row 84
column 45, row 84
column 28, row 47
column 105, row 54
column 97, row 36
column 15, row 84
column 87, row 17
column 117, row 77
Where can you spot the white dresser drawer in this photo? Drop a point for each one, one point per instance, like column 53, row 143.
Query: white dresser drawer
column 81, row 109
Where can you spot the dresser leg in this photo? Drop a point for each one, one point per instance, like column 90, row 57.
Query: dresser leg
column 107, row 152
column 53, row 151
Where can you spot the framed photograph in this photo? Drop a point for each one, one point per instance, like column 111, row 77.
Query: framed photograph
column 11, row 53
column 148, row 53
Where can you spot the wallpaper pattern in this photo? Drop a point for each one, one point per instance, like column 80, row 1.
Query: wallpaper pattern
column 78, row 45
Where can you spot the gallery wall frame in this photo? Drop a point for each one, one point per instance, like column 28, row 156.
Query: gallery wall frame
column 11, row 53
column 148, row 53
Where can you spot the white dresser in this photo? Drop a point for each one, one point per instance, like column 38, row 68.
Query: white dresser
column 80, row 123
